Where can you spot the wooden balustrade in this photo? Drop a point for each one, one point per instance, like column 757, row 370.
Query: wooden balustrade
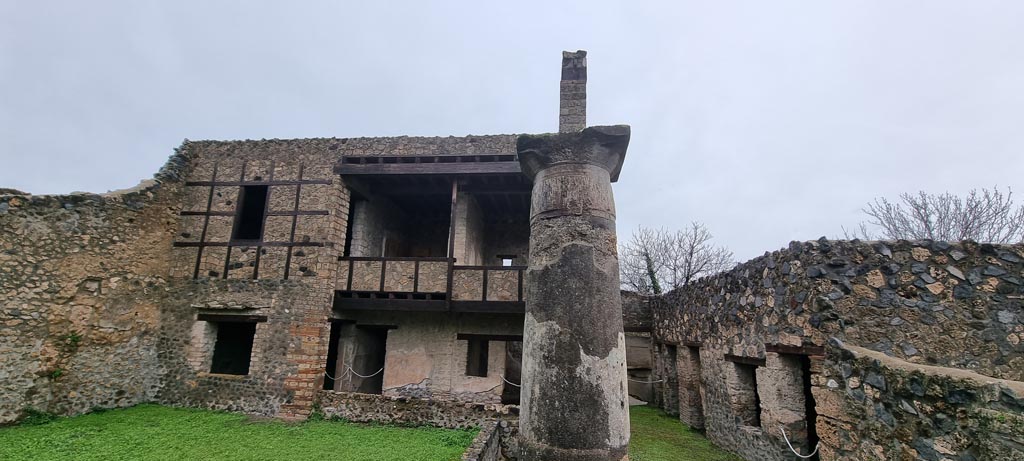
column 411, row 283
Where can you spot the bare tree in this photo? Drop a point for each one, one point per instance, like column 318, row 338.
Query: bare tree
column 639, row 263
column 658, row 258
column 982, row 216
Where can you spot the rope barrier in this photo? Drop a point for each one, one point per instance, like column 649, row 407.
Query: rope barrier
column 350, row 370
column 786, row 438
column 361, row 376
column 510, row 382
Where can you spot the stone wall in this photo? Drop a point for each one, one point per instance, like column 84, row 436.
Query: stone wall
column 881, row 407
column 410, row 411
column 81, row 280
column 486, row 445
column 741, row 344
column 498, row 423
column 102, row 295
column 287, row 275
column 636, row 311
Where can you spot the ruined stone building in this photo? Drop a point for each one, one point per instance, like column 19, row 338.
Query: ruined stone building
column 387, row 279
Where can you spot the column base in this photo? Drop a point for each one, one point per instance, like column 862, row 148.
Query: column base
column 532, row 451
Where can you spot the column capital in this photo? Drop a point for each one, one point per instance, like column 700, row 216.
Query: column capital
column 603, row 146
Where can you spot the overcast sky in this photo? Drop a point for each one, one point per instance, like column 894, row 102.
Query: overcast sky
column 769, row 121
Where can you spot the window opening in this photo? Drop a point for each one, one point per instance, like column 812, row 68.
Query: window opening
column 476, row 358
column 748, row 402
column 252, row 209
column 232, row 351
column 506, row 260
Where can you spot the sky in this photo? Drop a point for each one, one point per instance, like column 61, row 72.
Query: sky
column 766, row 121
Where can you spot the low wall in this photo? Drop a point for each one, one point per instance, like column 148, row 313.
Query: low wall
column 498, row 423
column 743, row 352
column 487, row 444
column 373, row 408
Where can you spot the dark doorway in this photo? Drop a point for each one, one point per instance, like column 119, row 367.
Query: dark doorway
column 360, row 354
column 233, row 350
column 332, row 355
column 476, row 357
column 368, row 362
column 513, row 373
column 670, row 383
column 811, row 412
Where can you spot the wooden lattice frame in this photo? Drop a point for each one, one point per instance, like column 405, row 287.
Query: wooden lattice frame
column 295, row 212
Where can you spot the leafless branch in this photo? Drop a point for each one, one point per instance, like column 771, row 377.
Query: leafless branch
column 983, row 216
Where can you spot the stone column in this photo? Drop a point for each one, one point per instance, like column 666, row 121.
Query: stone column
column 574, row 399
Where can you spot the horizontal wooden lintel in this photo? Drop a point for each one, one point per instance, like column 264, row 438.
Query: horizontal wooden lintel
column 490, row 307
column 428, row 168
column 291, row 182
column 469, row 336
column 756, row 361
column 269, row 213
column 795, row 350
column 247, row 243
column 236, row 318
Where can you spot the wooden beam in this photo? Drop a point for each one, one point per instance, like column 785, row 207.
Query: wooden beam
column 795, row 350
column 428, row 168
column 293, row 182
column 268, row 213
column 246, row 243
column 232, row 318
column 451, row 239
column 493, row 307
column 758, row 362
column 636, row 329
column 469, row 336
column 384, row 304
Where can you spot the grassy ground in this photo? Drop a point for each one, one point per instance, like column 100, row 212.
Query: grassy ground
column 153, row 432
column 159, row 433
column 658, row 437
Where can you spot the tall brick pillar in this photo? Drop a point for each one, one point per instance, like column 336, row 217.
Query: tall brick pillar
column 574, row 399
column 572, row 106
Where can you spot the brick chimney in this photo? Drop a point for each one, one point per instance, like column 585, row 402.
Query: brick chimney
column 572, row 107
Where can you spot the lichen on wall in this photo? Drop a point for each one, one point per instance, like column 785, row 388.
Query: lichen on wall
column 81, row 279
column 953, row 307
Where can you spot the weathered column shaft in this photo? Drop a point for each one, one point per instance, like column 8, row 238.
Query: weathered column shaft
column 574, row 398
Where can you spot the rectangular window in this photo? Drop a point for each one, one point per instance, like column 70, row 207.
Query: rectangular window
column 476, row 357
column 506, row 260
column 747, row 402
column 233, row 350
column 250, row 214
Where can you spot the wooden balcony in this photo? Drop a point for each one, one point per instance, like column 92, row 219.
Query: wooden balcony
column 427, row 284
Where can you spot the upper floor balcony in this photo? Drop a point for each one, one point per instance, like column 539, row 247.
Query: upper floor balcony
column 427, row 284
column 444, row 241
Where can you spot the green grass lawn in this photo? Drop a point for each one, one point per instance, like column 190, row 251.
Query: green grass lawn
column 160, row 433
column 153, row 432
column 658, row 437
